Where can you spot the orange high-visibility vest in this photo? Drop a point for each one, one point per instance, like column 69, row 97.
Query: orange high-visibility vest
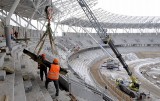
column 53, row 73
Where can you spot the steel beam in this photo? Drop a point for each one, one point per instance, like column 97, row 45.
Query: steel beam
column 13, row 20
column 29, row 23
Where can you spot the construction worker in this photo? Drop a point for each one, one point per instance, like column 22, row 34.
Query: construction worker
column 16, row 34
column 54, row 69
column 53, row 75
column 43, row 68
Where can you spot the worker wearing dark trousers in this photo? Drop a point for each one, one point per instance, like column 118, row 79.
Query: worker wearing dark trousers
column 53, row 75
column 43, row 69
column 56, row 84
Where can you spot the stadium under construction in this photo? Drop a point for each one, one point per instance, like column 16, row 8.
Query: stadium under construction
column 105, row 56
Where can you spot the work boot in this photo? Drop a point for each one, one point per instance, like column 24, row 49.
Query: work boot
column 56, row 94
column 46, row 86
column 41, row 79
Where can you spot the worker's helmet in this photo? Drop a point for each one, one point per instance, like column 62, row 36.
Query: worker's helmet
column 56, row 61
column 44, row 55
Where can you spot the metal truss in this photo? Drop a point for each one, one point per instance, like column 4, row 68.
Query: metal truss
column 70, row 14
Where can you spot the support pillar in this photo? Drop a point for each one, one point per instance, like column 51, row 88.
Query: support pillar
column 7, row 28
column 8, row 37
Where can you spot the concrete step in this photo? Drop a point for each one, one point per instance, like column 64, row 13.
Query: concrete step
column 27, row 86
column 2, row 75
column 63, row 95
column 7, row 86
column 81, row 99
column 45, row 92
column 2, row 55
column 35, row 94
column 19, row 92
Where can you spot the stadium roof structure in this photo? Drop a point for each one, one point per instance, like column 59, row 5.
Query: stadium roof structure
column 26, row 8
column 69, row 12
column 73, row 15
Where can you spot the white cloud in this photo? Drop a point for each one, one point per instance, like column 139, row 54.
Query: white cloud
column 132, row 7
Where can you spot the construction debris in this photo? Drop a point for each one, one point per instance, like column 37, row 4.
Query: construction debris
column 9, row 70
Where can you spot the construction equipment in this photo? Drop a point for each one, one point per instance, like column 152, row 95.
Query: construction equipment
column 111, row 64
column 125, row 88
column 134, row 85
column 48, row 32
column 40, row 60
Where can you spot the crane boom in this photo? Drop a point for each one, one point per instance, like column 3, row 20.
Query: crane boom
column 102, row 33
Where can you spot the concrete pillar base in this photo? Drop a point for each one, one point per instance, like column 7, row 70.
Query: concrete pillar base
column 8, row 37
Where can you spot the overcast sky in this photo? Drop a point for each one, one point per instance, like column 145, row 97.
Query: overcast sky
column 132, row 7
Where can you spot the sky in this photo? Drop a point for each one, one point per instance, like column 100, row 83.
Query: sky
column 131, row 7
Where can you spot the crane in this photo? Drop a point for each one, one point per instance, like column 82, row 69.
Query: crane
column 103, row 34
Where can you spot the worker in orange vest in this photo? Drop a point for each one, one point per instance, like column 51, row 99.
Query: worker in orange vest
column 43, row 68
column 53, row 75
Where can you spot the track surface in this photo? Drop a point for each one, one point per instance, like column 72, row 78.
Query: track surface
column 101, row 79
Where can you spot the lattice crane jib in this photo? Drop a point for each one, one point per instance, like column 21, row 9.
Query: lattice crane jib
column 99, row 29
column 103, row 34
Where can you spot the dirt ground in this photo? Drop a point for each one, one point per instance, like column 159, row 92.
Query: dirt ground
column 101, row 79
column 143, row 55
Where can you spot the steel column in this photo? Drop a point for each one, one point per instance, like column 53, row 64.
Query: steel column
column 7, row 28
